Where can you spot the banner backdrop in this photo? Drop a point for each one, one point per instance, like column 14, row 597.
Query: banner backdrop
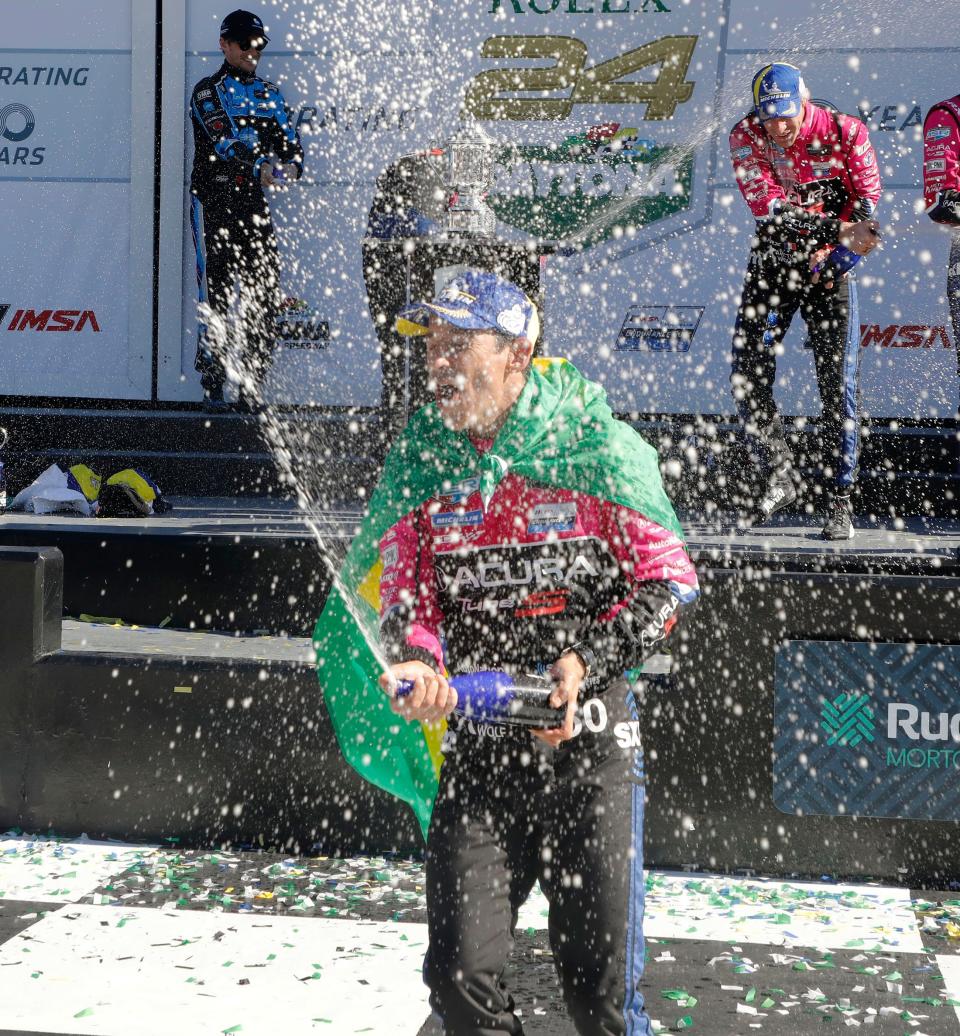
column 613, row 117
column 76, row 156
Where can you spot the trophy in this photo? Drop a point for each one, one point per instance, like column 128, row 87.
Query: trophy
column 469, row 173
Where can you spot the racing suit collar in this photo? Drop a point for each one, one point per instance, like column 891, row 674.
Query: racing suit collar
column 806, row 127
column 237, row 73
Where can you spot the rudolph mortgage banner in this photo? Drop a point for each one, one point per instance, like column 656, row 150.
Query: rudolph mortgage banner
column 867, row 729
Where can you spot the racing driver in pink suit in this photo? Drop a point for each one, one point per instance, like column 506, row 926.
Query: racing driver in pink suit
column 941, row 191
column 532, row 575
column 810, row 178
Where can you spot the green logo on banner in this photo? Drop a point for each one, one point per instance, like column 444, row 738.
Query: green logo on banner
column 604, row 183
column 848, row 719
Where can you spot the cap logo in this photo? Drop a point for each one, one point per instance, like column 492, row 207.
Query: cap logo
column 454, row 293
column 512, row 320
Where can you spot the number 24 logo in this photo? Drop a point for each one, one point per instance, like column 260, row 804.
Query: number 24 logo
column 599, row 84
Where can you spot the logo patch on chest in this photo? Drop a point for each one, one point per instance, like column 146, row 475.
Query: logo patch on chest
column 546, row 518
column 453, row 519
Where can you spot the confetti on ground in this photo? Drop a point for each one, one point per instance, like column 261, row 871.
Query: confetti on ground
column 219, row 930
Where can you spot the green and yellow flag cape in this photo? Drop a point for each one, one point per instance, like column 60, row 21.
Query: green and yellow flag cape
column 561, row 433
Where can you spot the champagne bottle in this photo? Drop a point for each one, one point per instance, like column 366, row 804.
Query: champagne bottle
column 497, row 697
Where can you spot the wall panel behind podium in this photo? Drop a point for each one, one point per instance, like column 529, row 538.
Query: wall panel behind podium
column 76, row 187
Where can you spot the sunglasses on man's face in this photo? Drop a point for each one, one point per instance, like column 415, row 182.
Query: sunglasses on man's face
column 258, row 43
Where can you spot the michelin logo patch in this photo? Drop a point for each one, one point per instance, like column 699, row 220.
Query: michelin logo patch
column 447, row 519
column 390, row 556
column 552, row 518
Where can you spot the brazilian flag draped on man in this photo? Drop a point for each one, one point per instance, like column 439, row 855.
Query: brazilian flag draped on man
column 560, row 432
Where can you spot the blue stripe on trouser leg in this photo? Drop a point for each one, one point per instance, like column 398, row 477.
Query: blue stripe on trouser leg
column 636, row 1020
column 196, row 226
column 850, row 430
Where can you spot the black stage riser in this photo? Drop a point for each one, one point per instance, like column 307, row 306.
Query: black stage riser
column 713, row 719
column 108, row 746
column 260, row 583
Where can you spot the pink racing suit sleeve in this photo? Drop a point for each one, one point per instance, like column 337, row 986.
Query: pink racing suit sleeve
column 410, row 615
column 861, row 162
column 941, row 166
column 662, row 580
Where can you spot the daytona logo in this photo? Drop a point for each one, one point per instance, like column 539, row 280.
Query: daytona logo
column 49, row 319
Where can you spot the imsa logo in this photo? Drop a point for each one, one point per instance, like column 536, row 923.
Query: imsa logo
column 50, row 319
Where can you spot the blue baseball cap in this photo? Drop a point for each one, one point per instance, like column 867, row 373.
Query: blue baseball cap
column 778, row 92
column 475, row 300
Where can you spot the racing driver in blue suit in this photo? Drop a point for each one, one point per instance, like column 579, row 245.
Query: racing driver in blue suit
column 244, row 142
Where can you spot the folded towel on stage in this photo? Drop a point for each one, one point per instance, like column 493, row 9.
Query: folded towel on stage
column 55, row 491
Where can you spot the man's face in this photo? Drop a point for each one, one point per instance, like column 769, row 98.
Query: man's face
column 470, row 374
column 243, row 54
column 784, row 132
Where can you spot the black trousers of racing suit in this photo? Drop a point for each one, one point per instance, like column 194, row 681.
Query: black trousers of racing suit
column 509, row 810
column 777, row 285
column 236, row 250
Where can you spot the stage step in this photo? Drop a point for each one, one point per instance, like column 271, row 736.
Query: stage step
column 191, row 452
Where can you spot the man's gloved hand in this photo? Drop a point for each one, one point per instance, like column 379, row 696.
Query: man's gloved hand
column 947, row 208
column 266, row 174
column 862, row 237
column 569, row 673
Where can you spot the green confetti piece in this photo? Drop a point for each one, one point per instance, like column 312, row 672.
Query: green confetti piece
column 686, row 1022
column 751, row 995
column 675, row 994
column 894, row 976
column 233, row 1028
column 271, row 956
column 85, row 1013
column 767, row 1004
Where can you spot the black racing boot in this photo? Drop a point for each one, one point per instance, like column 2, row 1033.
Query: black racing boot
column 780, row 493
column 839, row 524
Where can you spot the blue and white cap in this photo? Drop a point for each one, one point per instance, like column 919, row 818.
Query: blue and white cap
column 778, row 92
column 475, row 300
